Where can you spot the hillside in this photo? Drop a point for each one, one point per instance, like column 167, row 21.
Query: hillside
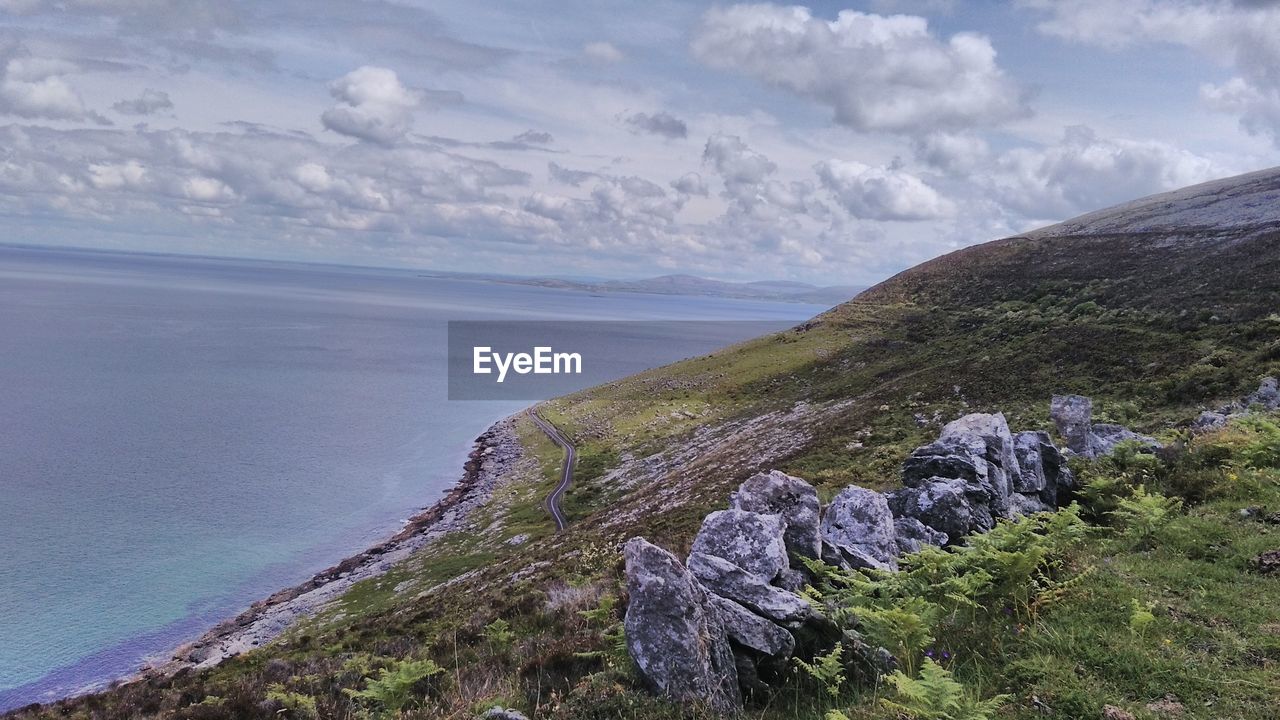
column 1156, row 309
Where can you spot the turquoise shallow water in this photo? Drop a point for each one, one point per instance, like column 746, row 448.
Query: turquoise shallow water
column 179, row 436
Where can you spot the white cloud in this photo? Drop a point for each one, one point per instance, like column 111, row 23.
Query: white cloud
column 691, row 184
column 603, row 52
column 954, row 153
column 37, row 88
column 1239, row 35
column 881, row 193
column 372, row 105
column 876, row 73
column 1084, row 172
column 205, row 189
column 130, row 174
column 742, row 169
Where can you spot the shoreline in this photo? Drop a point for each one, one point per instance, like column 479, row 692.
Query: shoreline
column 493, row 454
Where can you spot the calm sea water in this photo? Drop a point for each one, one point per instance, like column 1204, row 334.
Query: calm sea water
column 180, row 436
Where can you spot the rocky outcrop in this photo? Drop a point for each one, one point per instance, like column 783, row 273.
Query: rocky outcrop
column 961, row 482
column 677, row 639
column 858, row 530
column 777, row 493
column 948, row 506
column 1209, row 420
column 987, row 438
column 738, row 590
column 751, row 591
column 911, row 535
column 750, row 540
column 1042, row 469
column 1266, row 397
column 1073, row 415
column 752, row 631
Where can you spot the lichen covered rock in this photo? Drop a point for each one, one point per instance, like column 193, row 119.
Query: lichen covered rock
column 752, row 541
column 777, row 493
column 677, row 640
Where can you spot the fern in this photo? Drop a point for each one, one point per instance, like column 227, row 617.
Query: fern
column 393, row 689
column 297, row 704
column 1140, row 616
column 827, row 669
column 936, row 695
column 602, row 614
column 498, row 634
column 1142, row 514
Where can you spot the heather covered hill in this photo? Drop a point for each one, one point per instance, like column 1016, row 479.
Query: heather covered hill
column 1160, row 605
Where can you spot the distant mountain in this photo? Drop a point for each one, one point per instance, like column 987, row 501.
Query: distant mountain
column 778, row 290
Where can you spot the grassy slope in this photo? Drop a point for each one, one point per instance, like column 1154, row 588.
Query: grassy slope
column 1152, row 331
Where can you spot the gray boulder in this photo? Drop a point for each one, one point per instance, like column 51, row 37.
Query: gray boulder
column 732, row 582
column 1073, row 416
column 1042, row 469
column 858, row 526
column 1267, row 395
column 1029, row 447
column 750, row 540
column 1058, row 478
column 987, row 436
column 939, row 459
column 1208, row 420
column 911, row 535
column 752, row 631
column 676, row 639
column 949, row 506
column 776, row 493
column 1020, row 504
column 501, row 713
column 1106, row 436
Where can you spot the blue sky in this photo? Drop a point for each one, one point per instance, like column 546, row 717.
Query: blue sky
column 834, row 143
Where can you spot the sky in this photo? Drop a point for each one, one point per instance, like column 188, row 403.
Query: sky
column 832, row 143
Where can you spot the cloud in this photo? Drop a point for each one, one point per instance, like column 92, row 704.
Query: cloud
column 1084, row 172
column 534, row 137
column 372, row 105
column 881, row 193
column 659, row 123
column 603, row 52
column 743, row 170
column 876, row 73
column 1258, row 108
column 1240, row 35
column 565, row 176
column 149, row 102
column 954, row 153
column 36, row 88
column 691, row 184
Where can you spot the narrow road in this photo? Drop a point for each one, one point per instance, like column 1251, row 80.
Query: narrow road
column 566, row 475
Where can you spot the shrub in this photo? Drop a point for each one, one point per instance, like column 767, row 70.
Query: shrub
column 1262, row 449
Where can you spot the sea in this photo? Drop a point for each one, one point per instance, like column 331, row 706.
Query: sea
column 180, row 436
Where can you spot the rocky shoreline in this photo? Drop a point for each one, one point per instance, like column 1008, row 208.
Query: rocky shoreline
column 493, row 454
